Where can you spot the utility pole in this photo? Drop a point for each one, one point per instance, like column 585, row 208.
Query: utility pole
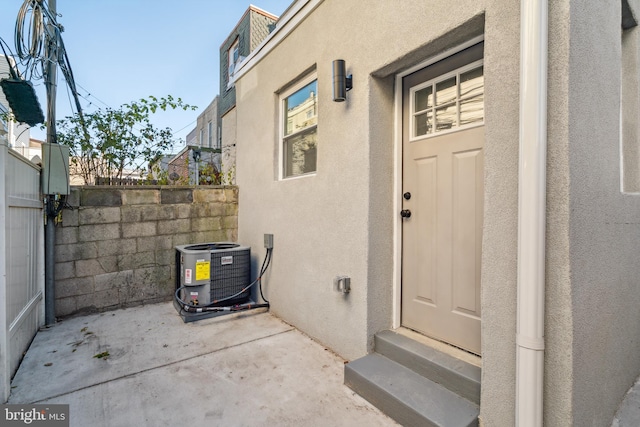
column 51, row 81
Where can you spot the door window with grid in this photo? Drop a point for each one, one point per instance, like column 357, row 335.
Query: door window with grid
column 451, row 102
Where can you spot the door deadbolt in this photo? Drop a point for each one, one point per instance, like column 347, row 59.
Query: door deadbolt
column 406, row 195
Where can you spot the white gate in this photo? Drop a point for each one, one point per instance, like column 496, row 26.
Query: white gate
column 21, row 261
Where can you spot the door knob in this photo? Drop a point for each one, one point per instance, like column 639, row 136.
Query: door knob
column 405, row 213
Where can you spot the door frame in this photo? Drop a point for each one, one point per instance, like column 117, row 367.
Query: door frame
column 397, row 172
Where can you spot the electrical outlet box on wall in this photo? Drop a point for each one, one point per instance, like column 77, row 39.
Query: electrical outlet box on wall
column 268, row 241
column 55, row 169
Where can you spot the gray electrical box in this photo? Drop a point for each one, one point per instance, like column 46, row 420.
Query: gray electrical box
column 55, row 169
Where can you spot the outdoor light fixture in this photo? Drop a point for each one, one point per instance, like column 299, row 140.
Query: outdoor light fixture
column 341, row 81
column 196, row 154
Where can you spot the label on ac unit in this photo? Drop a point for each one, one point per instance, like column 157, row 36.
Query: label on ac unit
column 226, row 260
column 203, row 270
column 187, row 276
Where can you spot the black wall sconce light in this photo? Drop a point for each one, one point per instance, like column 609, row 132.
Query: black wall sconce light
column 196, row 153
column 341, row 81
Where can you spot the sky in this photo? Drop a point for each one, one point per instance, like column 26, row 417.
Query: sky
column 124, row 50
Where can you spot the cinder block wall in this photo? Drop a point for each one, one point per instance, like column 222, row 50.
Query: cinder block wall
column 116, row 247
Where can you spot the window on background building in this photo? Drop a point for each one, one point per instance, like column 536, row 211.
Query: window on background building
column 201, row 138
column 233, row 58
column 299, row 128
column 210, row 134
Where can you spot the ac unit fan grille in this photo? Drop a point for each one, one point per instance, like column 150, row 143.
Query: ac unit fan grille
column 228, row 279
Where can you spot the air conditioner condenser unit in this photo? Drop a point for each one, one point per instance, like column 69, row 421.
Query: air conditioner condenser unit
column 212, row 275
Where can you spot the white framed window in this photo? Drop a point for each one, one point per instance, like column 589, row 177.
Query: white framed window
column 201, row 141
column 210, row 134
column 299, row 128
column 233, row 55
column 451, row 102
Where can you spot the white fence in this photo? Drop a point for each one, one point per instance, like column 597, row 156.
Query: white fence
column 21, row 261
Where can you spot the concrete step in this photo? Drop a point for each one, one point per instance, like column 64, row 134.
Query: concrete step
column 458, row 376
column 406, row 396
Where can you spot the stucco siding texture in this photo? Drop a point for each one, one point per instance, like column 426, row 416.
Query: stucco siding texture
column 558, row 373
column 381, row 215
column 605, row 224
column 340, row 221
column 499, row 246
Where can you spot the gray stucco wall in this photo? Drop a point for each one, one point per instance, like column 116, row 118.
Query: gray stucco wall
column 500, row 235
column 558, row 374
column 604, row 224
column 341, row 220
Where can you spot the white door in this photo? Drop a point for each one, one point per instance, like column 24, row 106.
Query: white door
column 443, row 191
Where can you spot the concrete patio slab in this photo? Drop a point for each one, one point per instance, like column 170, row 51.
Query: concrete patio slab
column 245, row 369
column 628, row 414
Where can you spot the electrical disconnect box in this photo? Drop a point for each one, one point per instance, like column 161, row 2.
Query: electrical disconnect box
column 268, row 241
column 55, row 169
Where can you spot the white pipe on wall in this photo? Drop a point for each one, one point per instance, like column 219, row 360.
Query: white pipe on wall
column 5, row 365
column 531, row 212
